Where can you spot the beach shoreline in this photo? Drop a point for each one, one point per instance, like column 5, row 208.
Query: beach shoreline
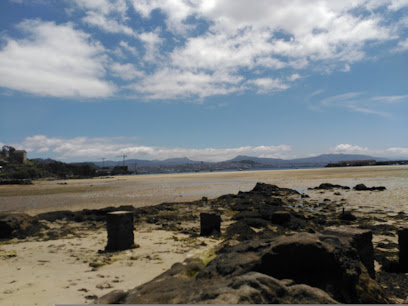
column 48, row 271
column 146, row 190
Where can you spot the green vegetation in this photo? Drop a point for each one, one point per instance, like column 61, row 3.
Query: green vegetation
column 13, row 168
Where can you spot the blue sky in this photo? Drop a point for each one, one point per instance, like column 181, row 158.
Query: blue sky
column 209, row 80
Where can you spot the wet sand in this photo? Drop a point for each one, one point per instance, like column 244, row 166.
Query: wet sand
column 145, row 190
column 36, row 272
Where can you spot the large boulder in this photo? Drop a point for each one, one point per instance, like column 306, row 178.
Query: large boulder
column 271, row 190
column 18, row 225
column 249, row 288
column 320, row 267
column 324, row 262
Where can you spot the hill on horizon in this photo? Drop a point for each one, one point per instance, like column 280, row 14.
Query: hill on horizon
column 319, row 160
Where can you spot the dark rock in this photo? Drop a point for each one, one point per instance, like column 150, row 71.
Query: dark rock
column 113, row 297
column 362, row 187
column 328, row 186
column 280, row 217
column 304, row 294
column 210, row 224
column 323, row 269
column 244, row 214
column 240, row 230
column 403, row 247
column 256, row 222
column 272, row 190
column 381, row 229
column 18, row 225
column 360, row 239
column 387, row 245
column 347, row 216
column 119, row 225
column 56, row 215
column 322, row 262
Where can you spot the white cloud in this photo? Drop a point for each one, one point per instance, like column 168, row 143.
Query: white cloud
column 361, row 102
column 55, row 60
column 350, row 149
column 294, row 77
column 125, row 71
column 266, row 85
column 151, row 41
column 85, row 148
column 232, row 41
column 391, row 99
column 105, row 7
column 402, row 46
column 173, row 83
column 176, row 11
column 107, row 24
column 268, row 36
column 396, row 152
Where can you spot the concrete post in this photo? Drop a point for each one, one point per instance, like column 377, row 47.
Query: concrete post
column 120, row 230
column 403, row 247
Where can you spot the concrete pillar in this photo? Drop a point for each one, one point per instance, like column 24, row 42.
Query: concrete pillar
column 210, row 224
column 120, row 230
column 403, row 247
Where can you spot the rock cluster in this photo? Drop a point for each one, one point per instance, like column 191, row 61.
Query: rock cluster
column 278, row 246
column 18, row 225
column 362, row 187
column 302, row 268
column 272, row 254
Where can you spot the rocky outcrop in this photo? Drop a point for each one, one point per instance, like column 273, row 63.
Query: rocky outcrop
column 360, row 239
column 320, row 267
column 328, row 186
column 362, row 187
column 18, row 225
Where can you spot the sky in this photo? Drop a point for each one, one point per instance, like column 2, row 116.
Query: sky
column 82, row 80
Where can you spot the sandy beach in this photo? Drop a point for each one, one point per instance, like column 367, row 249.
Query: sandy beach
column 70, row 270
column 145, row 190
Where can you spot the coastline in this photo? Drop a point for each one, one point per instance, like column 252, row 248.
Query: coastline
column 146, row 190
column 60, row 270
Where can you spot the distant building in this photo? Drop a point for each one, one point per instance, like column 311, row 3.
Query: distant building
column 20, row 156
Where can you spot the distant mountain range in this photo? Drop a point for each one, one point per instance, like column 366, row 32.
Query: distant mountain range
column 184, row 164
column 323, row 159
column 316, row 161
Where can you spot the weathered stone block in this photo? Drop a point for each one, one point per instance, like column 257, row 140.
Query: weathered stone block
column 360, row 239
column 120, row 231
column 210, row 224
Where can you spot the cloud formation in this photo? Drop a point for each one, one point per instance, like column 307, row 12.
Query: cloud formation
column 359, row 102
column 356, row 149
column 84, row 148
column 54, row 60
column 195, row 49
column 93, row 149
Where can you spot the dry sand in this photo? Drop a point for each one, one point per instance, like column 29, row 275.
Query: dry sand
column 60, row 271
